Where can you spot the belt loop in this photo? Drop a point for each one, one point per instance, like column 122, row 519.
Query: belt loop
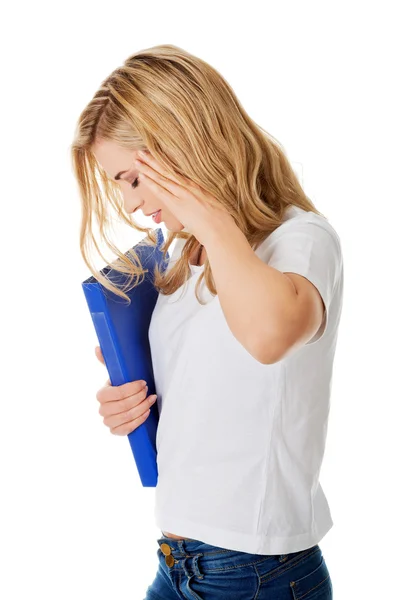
column 282, row 557
column 196, row 566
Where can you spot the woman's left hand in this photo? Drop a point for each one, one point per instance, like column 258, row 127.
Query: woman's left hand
column 186, row 200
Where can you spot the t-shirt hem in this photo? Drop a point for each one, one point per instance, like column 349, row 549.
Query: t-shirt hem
column 243, row 542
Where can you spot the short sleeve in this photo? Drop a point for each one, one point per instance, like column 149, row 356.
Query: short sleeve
column 310, row 249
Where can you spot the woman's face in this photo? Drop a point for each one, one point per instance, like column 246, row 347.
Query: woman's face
column 113, row 159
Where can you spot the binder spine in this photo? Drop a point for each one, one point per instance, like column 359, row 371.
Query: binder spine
column 106, row 340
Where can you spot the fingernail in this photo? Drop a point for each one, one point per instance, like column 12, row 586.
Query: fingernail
column 153, row 398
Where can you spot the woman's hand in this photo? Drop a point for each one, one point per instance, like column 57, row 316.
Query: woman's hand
column 123, row 407
column 184, row 198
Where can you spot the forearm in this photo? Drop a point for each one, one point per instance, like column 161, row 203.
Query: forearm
column 257, row 300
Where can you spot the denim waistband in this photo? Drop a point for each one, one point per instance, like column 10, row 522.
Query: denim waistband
column 190, row 545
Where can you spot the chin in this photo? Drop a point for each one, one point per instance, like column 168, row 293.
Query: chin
column 173, row 225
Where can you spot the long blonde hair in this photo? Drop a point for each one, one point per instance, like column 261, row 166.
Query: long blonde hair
column 185, row 113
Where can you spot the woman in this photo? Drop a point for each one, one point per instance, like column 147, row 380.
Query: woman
column 243, row 334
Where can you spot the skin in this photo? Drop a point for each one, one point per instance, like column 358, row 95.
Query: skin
column 113, row 159
column 286, row 309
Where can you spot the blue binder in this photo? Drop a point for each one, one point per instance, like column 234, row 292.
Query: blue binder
column 122, row 332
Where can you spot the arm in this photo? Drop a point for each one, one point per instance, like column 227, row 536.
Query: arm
column 268, row 312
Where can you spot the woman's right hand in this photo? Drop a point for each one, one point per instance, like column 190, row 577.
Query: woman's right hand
column 123, row 407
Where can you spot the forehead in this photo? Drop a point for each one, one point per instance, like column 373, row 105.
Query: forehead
column 112, row 157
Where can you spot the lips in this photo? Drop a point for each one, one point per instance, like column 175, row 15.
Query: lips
column 157, row 217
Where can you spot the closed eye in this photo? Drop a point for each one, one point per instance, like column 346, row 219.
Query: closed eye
column 135, row 182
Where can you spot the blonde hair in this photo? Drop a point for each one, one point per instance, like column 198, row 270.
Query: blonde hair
column 185, row 113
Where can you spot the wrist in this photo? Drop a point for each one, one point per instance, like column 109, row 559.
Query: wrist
column 220, row 229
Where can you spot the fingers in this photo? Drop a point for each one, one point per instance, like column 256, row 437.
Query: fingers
column 127, row 428
column 123, row 418
column 120, row 392
column 123, row 407
column 109, row 407
column 99, row 354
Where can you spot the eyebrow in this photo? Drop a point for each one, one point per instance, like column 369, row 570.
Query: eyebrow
column 118, row 175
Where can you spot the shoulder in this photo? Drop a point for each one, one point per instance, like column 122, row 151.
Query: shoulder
column 305, row 223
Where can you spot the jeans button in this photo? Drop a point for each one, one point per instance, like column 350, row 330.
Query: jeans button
column 169, row 559
column 165, row 549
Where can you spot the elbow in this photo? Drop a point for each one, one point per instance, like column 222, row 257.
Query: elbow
column 268, row 359
column 269, row 352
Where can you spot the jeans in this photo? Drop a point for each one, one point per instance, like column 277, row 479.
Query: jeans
column 190, row 569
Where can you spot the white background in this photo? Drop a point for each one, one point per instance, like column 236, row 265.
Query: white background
column 320, row 77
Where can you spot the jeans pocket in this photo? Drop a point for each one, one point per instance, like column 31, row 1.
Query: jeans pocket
column 315, row 585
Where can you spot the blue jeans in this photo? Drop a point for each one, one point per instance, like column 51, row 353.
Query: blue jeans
column 190, row 569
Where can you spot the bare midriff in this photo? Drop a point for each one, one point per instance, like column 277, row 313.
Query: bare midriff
column 175, row 537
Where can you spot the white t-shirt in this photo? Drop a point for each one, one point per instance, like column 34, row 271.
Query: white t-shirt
column 240, row 444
